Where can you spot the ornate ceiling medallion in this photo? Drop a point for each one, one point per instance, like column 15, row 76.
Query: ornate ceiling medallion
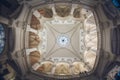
column 63, row 40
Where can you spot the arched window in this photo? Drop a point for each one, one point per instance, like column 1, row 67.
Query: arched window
column 117, row 76
column 112, row 72
column 2, row 38
column 116, row 3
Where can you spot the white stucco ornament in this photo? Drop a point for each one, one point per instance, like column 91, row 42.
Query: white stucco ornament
column 63, row 40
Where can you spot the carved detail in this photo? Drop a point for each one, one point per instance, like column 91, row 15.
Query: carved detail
column 34, row 40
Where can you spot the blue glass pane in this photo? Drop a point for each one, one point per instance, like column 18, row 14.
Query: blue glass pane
column 1, row 27
column 1, row 45
column 117, row 76
column 2, row 34
column 116, row 3
column 2, row 38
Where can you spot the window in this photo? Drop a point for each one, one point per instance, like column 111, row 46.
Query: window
column 113, row 71
column 117, row 76
column 116, row 3
column 2, row 38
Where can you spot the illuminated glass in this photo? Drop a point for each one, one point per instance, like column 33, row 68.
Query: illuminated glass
column 2, row 38
column 116, row 3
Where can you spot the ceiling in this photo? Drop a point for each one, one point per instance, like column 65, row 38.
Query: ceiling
column 62, row 40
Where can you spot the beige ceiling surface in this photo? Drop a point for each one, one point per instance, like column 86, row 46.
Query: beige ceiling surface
column 67, row 43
